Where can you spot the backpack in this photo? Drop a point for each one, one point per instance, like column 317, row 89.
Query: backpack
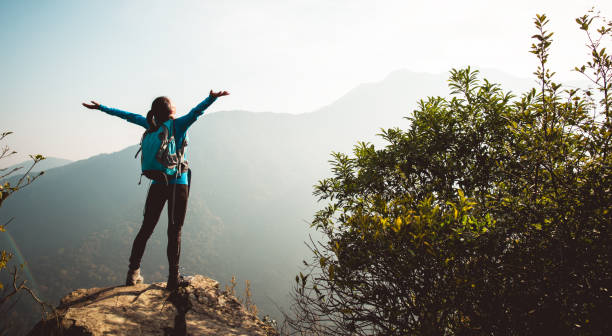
column 161, row 159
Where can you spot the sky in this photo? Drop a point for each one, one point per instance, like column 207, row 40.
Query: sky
column 287, row 56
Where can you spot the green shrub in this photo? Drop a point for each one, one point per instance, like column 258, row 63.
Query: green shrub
column 489, row 215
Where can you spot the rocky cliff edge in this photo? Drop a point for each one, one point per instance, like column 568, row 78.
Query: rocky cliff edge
column 200, row 308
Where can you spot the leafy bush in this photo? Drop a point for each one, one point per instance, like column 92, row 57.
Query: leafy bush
column 489, row 215
column 14, row 286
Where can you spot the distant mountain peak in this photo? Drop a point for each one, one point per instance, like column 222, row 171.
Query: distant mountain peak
column 406, row 73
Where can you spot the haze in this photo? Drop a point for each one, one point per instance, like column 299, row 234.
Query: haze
column 277, row 56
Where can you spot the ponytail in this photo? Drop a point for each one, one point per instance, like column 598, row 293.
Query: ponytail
column 151, row 121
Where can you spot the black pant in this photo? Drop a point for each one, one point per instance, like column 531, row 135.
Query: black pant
column 156, row 198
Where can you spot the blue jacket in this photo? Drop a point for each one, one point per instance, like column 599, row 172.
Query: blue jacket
column 180, row 124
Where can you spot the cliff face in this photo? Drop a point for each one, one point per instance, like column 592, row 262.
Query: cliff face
column 147, row 309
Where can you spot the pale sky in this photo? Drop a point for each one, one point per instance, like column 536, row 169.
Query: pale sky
column 272, row 55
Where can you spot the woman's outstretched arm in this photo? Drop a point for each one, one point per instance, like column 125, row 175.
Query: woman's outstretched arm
column 183, row 123
column 130, row 117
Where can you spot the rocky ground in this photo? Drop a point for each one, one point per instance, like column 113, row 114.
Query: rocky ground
column 200, row 308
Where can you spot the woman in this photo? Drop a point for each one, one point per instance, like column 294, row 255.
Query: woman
column 175, row 192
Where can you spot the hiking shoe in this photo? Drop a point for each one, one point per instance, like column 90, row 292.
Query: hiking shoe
column 174, row 282
column 134, row 277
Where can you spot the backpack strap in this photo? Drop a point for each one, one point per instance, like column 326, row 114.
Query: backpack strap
column 180, row 152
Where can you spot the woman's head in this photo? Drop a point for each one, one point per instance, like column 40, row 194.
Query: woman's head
column 161, row 111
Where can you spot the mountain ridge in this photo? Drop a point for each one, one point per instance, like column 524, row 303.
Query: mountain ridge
column 46, row 164
column 250, row 202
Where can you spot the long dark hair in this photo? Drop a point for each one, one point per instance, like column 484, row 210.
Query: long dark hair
column 159, row 113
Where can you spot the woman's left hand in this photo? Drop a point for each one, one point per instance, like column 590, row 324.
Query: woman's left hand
column 218, row 94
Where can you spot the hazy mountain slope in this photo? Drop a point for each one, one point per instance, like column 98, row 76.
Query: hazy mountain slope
column 46, row 164
column 250, row 201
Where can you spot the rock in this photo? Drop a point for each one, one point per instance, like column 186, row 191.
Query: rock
column 200, row 308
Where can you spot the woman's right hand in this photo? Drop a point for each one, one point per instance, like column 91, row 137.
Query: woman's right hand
column 93, row 105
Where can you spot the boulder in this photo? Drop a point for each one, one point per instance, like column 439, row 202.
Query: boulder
column 199, row 308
